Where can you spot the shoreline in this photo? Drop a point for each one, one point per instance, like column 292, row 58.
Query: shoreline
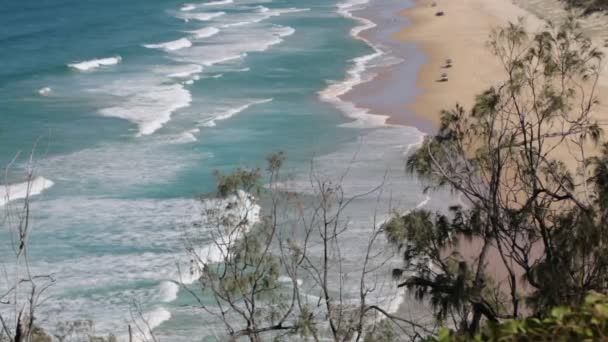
column 414, row 34
column 460, row 34
column 389, row 74
column 375, row 87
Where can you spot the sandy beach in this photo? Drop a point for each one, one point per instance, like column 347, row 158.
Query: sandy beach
column 461, row 35
column 425, row 41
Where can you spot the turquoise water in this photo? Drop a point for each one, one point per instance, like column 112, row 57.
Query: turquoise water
column 134, row 104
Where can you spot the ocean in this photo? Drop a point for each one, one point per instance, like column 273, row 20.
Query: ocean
column 127, row 107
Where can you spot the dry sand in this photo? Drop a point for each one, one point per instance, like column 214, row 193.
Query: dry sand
column 461, row 34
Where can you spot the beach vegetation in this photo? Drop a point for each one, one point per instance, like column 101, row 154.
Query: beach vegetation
column 529, row 234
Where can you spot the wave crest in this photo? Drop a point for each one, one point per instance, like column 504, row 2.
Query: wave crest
column 228, row 113
column 17, row 191
column 95, row 63
column 173, row 45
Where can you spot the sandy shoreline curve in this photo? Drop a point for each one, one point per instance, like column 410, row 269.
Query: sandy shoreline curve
column 426, row 41
column 461, row 35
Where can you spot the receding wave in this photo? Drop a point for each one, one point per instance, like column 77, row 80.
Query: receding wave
column 17, row 191
column 95, row 63
column 173, row 45
column 357, row 74
column 230, row 112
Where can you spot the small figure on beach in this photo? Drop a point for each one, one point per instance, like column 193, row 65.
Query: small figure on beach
column 448, row 63
column 440, row 14
column 443, row 78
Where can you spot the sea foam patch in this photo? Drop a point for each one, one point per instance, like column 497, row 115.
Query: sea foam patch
column 219, row 3
column 260, row 14
column 173, row 45
column 201, row 16
column 230, row 112
column 17, row 191
column 95, row 63
column 187, row 7
column 148, row 105
column 205, row 32
column 45, row 91
column 235, row 44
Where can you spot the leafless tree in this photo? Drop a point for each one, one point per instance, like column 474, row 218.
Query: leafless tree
column 284, row 275
column 21, row 290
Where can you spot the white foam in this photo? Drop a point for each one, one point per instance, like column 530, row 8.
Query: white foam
column 149, row 321
column 46, row 91
column 186, row 137
column 356, row 74
column 206, row 32
column 218, row 3
column 173, row 45
column 201, row 16
column 241, row 212
column 230, row 112
column 185, row 71
column 148, row 105
column 236, row 45
column 187, row 7
column 95, row 63
column 288, row 280
column 23, row 190
column 261, row 14
column 168, row 291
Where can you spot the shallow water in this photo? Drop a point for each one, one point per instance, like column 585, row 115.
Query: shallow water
column 132, row 105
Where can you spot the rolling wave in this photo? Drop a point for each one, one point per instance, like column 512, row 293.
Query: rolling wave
column 95, row 63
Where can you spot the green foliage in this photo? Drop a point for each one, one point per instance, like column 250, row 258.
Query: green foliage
column 240, row 179
column 382, row 332
column 543, row 220
column 589, row 6
column 587, row 322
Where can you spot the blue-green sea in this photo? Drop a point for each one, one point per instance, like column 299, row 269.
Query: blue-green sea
column 125, row 108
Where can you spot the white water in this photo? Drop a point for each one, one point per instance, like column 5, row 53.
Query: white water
column 206, row 32
column 187, row 7
column 46, row 91
column 219, row 3
column 230, row 112
column 173, row 45
column 17, row 191
column 95, row 63
column 202, row 16
column 146, row 104
column 243, row 208
column 357, row 74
